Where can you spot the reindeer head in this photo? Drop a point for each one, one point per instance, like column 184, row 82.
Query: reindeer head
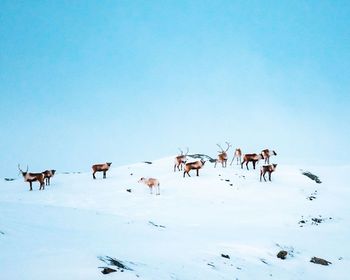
column 274, row 153
column 53, row 171
column 24, row 173
column 274, row 166
column 109, row 164
column 223, row 152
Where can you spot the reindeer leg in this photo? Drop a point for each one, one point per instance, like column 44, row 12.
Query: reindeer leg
column 197, row 172
column 215, row 163
column 254, row 162
column 104, row 174
column 260, row 175
column 93, row 175
column 270, row 176
column 264, row 176
column 247, row 165
column 30, row 185
column 232, row 161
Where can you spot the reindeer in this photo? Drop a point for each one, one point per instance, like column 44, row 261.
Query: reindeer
column 180, row 160
column 267, row 153
column 193, row 165
column 32, row 177
column 267, row 168
column 222, row 156
column 238, row 155
column 254, row 158
column 47, row 176
column 102, row 167
column 151, row 183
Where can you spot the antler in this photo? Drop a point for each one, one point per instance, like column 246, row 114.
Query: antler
column 220, row 148
column 228, row 146
column 187, row 151
column 19, row 168
column 181, row 151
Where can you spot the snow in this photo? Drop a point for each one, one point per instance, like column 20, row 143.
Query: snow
column 61, row 232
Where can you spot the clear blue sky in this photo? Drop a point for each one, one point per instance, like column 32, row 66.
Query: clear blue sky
column 126, row 81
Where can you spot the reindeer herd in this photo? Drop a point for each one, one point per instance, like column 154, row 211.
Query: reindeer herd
column 180, row 163
column 222, row 157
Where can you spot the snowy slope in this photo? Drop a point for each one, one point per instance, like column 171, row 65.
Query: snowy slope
column 59, row 233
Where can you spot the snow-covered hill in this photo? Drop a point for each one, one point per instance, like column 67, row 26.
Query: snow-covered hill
column 61, row 232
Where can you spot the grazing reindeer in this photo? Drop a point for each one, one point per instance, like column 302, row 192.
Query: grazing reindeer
column 151, row 183
column 222, row 156
column 267, row 168
column 267, row 153
column 238, row 156
column 47, row 176
column 180, row 160
column 254, row 158
column 193, row 165
column 102, row 167
column 32, row 177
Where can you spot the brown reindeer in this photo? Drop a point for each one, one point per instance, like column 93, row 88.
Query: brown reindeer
column 151, row 183
column 102, row 167
column 254, row 158
column 193, row 165
column 32, row 177
column 267, row 168
column 222, row 156
column 180, row 160
column 238, row 156
column 266, row 155
column 47, row 176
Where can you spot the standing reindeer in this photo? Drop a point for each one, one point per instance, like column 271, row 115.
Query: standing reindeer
column 151, row 183
column 237, row 155
column 266, row 155
column 254, row 158
column 267, row 169
column 222, row 156
column 180, row 160
column 193, row 165
column 32, row 177
column 102, row 167
column 47, row 176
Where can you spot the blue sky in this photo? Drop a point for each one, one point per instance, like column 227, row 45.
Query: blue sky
column 126, row 81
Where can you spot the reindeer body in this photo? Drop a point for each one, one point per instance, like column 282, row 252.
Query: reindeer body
column 151, row 183
column 102, row 167
column 254, row 158
column 238, row 156
column 193, row 165
column 222, row 156
column 266, row 155
column 267, row 169
column 47, row 176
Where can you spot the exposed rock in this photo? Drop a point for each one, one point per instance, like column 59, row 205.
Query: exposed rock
column 282, row 254
column 9, row 179
column 148, row 162
column 312, row 176
column 320, row 261
column 112, row 261
column 225, row 256
column 128, row 190
column 107, row 270
column 153, row 224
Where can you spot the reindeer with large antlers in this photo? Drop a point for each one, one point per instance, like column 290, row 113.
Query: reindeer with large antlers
column 32, row 177
column 222, row 156
column 180, row 160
